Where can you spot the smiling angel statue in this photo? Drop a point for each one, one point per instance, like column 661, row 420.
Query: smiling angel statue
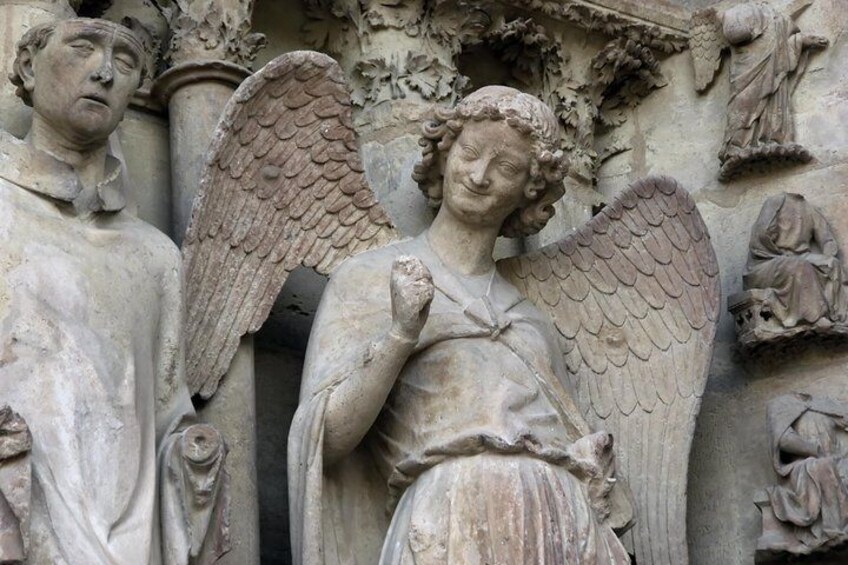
column 454, row 408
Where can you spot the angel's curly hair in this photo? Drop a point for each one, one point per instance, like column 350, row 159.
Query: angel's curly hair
column 525, row 113
column 36, row 38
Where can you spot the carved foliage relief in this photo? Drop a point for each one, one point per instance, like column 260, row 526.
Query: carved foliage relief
column 526, row 37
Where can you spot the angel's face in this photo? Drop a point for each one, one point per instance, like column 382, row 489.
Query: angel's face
column 486, row 172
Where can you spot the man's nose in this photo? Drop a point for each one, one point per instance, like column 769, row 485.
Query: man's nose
column 479, row 172
column 104, row 73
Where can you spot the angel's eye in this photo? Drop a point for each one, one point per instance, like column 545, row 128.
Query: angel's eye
column 469, row 152
column 507, row 168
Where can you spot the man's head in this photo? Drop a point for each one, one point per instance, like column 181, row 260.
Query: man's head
column 79, row 75
column 524, row 113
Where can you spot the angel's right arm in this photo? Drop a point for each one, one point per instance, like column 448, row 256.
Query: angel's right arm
column 354, row 354
column 357, row 400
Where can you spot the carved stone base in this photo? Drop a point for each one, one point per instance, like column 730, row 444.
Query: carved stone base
column 757, row 326
column 777, row 536
column 762, row 158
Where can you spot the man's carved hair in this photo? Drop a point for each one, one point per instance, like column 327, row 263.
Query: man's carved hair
column 35, row 39
column 525, row 113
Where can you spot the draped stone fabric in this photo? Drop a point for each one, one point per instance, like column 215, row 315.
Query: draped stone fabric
column 91, row 358
column 809, row 448
column 793, row 252
column 768, row 58
column 478, row 432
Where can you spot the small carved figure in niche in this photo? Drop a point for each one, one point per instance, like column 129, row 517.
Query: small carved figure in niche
column 91, row 333
column 807, row 511
column 769, row 56
column 794, row 281
column 15, row 486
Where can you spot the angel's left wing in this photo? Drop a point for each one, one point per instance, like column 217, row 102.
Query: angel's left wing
column 635, row 295
column 706, row 43
column 283, row 186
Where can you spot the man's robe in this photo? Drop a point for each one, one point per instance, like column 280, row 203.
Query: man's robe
column 91, row 358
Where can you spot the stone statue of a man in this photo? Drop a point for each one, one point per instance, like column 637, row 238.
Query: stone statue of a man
column 90, row 323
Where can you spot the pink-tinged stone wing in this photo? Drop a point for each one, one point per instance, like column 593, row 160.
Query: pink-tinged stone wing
column 635, row 295
column 706, row 43
column 283, row 186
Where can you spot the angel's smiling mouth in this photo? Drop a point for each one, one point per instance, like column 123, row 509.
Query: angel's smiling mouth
column 474, row 191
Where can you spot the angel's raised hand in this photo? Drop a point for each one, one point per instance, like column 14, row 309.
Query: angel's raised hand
column 412, row 292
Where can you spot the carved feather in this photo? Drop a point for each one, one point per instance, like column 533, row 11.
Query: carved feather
column 639, row 300
column 283, row 186
column 706, row 43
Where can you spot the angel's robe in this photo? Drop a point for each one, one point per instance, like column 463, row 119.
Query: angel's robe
column 768, row 57
column 91, row 358
column 478, row 433
column 812, row 498
column 793, row 253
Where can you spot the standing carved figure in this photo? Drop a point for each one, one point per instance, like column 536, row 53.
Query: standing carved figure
column 453, row 409
column 90, row 324
column 807, row 511
column 769, row 56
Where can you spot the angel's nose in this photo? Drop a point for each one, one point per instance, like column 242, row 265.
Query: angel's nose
column 479, row 174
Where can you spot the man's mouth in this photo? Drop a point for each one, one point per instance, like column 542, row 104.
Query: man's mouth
column 96, row 98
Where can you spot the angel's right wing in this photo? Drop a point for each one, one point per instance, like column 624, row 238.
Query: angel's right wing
column 706, row 42
column 283, row 186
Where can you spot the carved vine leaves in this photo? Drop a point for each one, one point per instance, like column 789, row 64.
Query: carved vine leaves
column 377, row 79
column 440, row 29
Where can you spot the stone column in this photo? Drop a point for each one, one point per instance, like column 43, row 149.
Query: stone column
column 16, row 17
column 210, row 49
column 195, row 93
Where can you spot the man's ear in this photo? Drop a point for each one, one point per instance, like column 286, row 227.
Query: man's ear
column 26, row 62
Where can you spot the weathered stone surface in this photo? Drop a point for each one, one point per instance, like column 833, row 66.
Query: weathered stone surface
column 91, row 326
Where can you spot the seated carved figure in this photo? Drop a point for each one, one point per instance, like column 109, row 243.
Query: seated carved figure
column 794, row 277
column 807, row 511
